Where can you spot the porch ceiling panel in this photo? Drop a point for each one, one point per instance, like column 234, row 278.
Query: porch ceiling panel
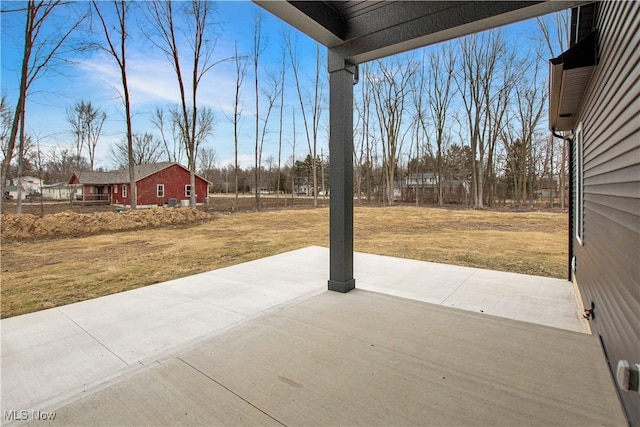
column 353, row 8
column 369, row 30
column 567, row 103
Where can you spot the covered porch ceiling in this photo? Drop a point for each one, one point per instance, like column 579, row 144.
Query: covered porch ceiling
column 369, row 30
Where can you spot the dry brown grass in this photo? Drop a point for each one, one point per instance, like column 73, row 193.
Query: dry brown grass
column 39, row 275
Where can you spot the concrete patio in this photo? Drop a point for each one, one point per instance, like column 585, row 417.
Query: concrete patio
column 265, row 343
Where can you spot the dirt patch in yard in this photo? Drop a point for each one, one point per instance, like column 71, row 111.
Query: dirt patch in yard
column 28, row 227
column 59, row 220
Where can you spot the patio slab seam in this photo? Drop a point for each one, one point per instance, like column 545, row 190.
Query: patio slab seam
column 88, row 333
column 41, row 344
column 75, row 312
column 459, row 286
column 248, row 401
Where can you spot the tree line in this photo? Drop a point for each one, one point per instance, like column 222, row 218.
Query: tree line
column 459, row 122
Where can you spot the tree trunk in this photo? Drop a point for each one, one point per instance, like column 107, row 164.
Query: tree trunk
column 192, row 182
column 563, row 175
column 133, row 193
column 18, row 116
column 440, row 176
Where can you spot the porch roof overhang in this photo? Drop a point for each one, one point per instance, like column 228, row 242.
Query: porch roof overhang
column 369, row 30
column 570, row 74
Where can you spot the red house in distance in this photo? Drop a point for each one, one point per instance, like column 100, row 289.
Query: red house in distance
column 158, row 184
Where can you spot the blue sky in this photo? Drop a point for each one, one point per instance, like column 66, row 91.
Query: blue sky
column 93, row 76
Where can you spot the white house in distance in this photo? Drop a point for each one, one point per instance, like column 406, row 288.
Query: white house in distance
column 29, row 184
column 57, row 191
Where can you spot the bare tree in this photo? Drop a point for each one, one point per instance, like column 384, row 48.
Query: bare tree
column 6, row 119
column 530, row 101
column 366, row 115
column 40, row 168
column 271, row 93
column 561, row 44
column 283, row 69
column 311, row 129
column 390, row 89
column 420, row 133
column 259, row 46
column 74, row 118
column 293, row 156
column 363, row 151
column 358, row 148
column 169, row 134
column 316, row 113
column 25, row 148
column 562, row 34
column 440, row 91
column 60, row 163
column 205, row 123
column 86, row 123
column 146, row 150
column 480, row 55
column 498, row 101
column 199, row 16
column 240, row 64
column 116, row 46
column 41, row 49
column 207, row 160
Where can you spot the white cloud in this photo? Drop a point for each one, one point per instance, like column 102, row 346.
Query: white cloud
column 152, row 81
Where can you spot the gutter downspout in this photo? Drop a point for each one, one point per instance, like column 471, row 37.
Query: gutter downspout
column 569, row 139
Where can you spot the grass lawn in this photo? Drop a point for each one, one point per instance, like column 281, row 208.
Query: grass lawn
column 39, row 275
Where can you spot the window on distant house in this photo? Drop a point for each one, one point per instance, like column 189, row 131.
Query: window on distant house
column 578, row 211
column 187, row 191
column 115, row 189
column 124, row 190
column 160, row 190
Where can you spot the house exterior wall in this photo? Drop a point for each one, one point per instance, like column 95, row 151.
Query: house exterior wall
column 115, row 192
column 174, row 179
column 29, row 185
column 121, row 194
column 95, row 193
column 56, row 192
column 78, row 189
column 607, row 258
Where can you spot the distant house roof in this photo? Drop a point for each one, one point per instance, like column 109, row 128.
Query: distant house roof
column 424, row 175
column 27, row 178
column 90, row 177
column 122, row 176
